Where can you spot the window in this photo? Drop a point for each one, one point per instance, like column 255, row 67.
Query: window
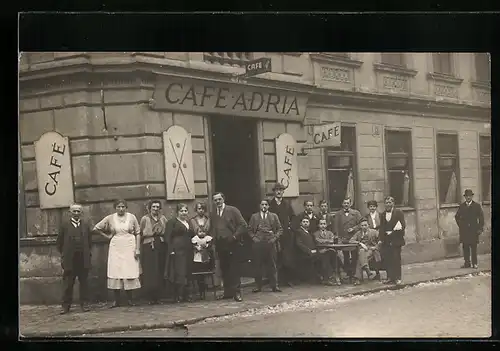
column 393, row 58
column 483, row 70
column 485, row 151
column 442, row 62
column 448, row 168
column 340, row 169
column 398, row 148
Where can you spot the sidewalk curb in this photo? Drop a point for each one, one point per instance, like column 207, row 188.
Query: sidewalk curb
column 183, row 323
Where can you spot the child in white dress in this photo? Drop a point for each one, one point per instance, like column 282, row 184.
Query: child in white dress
column 203, row 258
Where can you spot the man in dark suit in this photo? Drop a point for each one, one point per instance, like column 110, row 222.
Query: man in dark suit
column 324, row 213
column 392, row 235
column 310, row 215
column 308, row 257
column 74, row 242
column 346, row 224
column 228, row 227
column 287, row 248
column 470, row 221
column 265, row 229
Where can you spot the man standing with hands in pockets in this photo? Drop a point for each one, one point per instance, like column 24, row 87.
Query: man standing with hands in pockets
column 265, row 229
column 392, row 235
column 470, row 221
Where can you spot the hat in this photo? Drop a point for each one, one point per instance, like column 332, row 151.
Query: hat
column 363, row 219
column 279, row 186
column 468, row 192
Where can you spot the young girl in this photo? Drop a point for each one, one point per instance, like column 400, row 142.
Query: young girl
column 203, row 259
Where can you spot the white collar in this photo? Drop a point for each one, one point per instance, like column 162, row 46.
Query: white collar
column 262, row 214
column 220, row 210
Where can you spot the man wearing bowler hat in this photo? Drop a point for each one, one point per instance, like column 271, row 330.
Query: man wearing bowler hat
column 470, row 221
column 286, row 247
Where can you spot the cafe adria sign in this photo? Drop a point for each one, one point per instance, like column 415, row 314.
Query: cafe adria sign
column 53, row 169
column 197, row 96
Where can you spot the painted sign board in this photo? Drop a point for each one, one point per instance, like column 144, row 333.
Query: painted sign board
column 207, row 97
column 254, row 67
column 286, row 164
column 179, row 175
column 325, row 135
column 53, row 170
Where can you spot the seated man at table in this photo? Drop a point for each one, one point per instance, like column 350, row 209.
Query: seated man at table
column 325, row 240
column 307, row 254
column 368, row 249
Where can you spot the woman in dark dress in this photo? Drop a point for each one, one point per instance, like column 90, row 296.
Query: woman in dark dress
column 178, row 234
column 153, row 251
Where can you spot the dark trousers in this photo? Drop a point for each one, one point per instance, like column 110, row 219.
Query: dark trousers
column 328, row 262
column 264, row 255
column 470, row 250
column 350, row 259
column 393, row 262
column 69, row 276
column 230, row 265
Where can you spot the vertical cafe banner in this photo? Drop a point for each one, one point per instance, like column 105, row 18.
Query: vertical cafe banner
column 286, row 164
column 179, row 175
column 53, row 169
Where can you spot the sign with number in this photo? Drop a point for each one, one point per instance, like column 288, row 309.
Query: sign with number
column 53, row 170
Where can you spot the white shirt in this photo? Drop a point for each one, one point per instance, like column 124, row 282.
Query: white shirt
column 388, row 216
column 373, row 216
column 76, row 223
column 263, row 215
column 468, row 203
column 220, row 211
column 203, row 243
column 278, row 201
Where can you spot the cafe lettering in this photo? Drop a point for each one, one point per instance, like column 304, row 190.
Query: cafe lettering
column 53, row 163
column 286, row 164
column 223, row 98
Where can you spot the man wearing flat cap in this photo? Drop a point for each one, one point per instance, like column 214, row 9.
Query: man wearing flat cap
column 74, row 242
column 286, row 247
column 470, row 221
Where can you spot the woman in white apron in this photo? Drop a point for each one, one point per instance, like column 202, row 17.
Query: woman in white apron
column 123, row 231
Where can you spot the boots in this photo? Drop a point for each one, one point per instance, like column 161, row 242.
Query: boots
column 128, row 293
column 116, row 294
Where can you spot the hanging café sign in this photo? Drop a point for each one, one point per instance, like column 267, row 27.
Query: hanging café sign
column 230, row 99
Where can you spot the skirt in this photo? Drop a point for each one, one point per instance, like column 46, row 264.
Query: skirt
column 124, row 284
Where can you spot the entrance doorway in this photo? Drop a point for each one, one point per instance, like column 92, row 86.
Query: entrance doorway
column 236, row 163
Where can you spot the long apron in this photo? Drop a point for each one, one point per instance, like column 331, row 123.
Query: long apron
column 122, row 263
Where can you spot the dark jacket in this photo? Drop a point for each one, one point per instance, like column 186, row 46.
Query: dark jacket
column 287, row 240
column 397, row 237
column 343, row 223
column 230, row 224
column 66, row 242
column 284, row 211
column 178, row 238
column 470, row 221
column 257, row 235
column 305, row 242
column 313, row 223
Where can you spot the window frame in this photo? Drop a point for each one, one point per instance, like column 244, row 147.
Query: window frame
column 456, row 167
column 402, row 61
column 488, row 67
column 338, row 152
column 483, row 167
column 408, row 155
column 437, row 63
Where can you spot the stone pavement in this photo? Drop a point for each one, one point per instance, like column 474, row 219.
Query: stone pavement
column 45, row 321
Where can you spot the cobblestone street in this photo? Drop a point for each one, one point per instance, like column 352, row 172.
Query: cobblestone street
column 458, row 308
column 46, row 321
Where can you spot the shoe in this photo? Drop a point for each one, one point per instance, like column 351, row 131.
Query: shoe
column 290, row 284
column 474, row 266
column 376, row 276
column 388, row 281
column 465, row 265
column 256, row 290
column 115, row 304
column 356, row 282
column 338, row 282
column 237, row 297
column 327, row 282
column 84, row 308
column 65, row 310
column 399, row 282
column 130, row 303
column 276, row 289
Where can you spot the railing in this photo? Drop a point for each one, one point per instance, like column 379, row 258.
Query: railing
column 236, row 59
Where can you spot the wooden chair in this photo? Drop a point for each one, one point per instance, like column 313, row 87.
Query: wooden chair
column 210, row 274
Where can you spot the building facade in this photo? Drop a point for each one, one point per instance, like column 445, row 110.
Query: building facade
column 413, row 125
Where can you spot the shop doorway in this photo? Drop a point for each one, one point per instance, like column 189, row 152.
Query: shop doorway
column 235, row 162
